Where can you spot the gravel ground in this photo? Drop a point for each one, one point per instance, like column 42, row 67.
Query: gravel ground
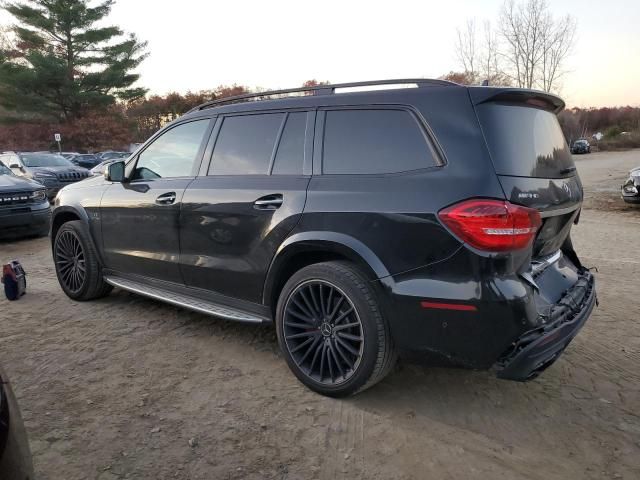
column 126, row 387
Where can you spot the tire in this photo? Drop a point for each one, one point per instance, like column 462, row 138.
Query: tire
column 331, row 330
column 76, row 283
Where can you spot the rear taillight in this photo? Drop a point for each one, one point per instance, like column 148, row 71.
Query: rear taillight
column 492, row 225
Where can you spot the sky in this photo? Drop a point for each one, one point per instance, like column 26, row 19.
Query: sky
column 200, row 44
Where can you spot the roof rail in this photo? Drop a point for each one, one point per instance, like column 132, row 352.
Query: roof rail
column 321, row 90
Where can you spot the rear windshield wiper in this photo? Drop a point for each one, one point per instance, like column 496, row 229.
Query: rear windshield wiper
column 567, row 170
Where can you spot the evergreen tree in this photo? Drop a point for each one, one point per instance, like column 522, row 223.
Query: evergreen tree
column 62, row 64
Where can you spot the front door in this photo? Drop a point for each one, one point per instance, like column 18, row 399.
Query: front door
column 140, row 217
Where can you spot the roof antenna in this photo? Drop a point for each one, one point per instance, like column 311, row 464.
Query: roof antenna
column 485, row 82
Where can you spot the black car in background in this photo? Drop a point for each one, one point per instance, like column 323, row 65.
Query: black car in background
column 49, row 169
column 15, row 455
column 112, row 155
column 631, row 188
column 581, row 146
column 432, row 220
column 23, row 205
column 84, row 160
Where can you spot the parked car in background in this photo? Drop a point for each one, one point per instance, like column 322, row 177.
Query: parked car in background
column 66, row 155
column 15, row 455
column 431, row 221
column 631, row 188
column 23, row 205
column 581, row 146
column 111, row 155
column 100, row 168
column 85, row 160
column 50, row 169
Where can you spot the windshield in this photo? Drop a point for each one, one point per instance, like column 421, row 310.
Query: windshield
column 44, row 160
column 581, row 142
column 4, row 170
column 525, row 141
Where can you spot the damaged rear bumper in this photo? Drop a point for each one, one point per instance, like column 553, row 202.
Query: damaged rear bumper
column 537, row 349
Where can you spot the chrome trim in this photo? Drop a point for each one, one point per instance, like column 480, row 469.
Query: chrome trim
column 196, row 304
column 538, row 266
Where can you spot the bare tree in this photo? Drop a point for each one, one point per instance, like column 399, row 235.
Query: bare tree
column 558, row 44
column 466, row 48
column 478, row 55
column 535, row 45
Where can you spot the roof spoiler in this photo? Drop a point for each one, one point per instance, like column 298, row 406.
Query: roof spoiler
column 534, row 98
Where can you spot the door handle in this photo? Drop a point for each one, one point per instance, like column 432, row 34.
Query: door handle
column 166, row 198
column 268, row 202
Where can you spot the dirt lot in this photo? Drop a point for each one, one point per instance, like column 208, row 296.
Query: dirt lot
column 127, row 387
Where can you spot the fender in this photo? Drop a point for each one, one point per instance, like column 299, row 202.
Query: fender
column 81, row 214
column 323, row 241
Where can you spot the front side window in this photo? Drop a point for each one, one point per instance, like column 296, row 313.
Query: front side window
column 245, row 144
column 173, row 154
column 374, row 142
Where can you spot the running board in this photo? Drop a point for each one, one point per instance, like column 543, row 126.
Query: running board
column 180, row 300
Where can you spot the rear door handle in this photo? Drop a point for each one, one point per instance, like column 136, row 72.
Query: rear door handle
column 166, row 198
column 268, row 202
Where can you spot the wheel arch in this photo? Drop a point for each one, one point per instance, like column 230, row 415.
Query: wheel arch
column 307, row 248
column 66, row 213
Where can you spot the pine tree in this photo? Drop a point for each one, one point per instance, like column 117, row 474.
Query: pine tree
column 62, row 64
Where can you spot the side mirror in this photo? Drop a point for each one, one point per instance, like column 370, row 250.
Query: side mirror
column 14, row 165
column 115, row 172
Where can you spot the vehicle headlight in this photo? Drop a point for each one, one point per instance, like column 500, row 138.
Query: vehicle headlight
column 39, row 196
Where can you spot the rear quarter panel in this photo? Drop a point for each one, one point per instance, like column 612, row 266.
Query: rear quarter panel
column 395, row 215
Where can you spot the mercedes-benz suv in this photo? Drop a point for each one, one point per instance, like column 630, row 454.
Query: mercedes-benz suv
column 432, row 219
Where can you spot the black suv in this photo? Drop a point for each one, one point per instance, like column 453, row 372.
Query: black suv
column 49, row 169
column 432, row 219
column 23, row 205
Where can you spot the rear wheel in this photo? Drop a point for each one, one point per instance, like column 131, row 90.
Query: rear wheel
column 76, row 263
column 331, row 330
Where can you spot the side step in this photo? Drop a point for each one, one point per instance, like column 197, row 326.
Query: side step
column 180, row 300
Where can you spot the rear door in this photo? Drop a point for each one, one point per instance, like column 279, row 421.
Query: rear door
column 236, row 214
column 534, row 165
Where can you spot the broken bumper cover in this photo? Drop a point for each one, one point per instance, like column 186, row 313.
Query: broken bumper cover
column 537, row 349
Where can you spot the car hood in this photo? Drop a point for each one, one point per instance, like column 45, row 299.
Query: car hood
column 634, row 172
column 13, row 183
column 57, row 170
column 85, row 182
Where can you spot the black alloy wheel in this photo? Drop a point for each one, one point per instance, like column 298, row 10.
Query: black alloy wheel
column 70, row 261
column 323, row 332
column 332, row 331
column 77, row 263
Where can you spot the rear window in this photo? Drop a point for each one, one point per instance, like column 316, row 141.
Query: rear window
column 374, row 142
column 525, row 141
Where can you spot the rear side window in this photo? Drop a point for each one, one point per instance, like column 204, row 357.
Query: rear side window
column 525, row 141
column 374, row 142
column 290, row 155
column 245, row 144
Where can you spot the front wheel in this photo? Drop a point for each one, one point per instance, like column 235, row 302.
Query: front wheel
column 331, row 330
column 76, row 262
